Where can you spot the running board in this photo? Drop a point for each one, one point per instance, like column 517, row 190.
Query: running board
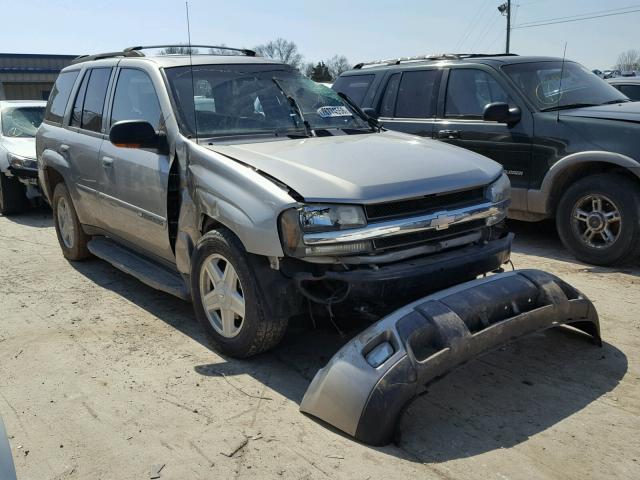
column 136, row 265
column 366, row 385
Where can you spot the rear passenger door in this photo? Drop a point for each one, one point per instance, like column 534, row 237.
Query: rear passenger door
column 409, row 101
column 136, row 179
column 460, row 122
column 85, row 140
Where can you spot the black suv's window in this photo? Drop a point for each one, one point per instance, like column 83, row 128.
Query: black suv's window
column 388, row 105
column 60, row 96
column 418, row 94
column 469, row 91
column 631, row 91
column 89, row 103
column 135, row 98
column 354, row 86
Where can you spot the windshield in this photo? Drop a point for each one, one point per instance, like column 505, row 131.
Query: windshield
column 21, row 121
column 245, row 100
column 540, row 82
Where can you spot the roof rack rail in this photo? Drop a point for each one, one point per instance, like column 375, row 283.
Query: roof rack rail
column 136, row 52
column 427, row 58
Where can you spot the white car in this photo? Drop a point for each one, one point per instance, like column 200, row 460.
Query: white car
column 19, row 121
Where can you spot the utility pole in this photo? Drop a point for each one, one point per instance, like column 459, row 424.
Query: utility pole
column 505, row 9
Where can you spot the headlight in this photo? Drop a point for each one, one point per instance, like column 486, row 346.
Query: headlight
column 321, row 218
column 22, row 162
column 500, row 190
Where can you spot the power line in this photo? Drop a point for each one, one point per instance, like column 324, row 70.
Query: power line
column 608, row 10
column 476, row 22
column 585, row 17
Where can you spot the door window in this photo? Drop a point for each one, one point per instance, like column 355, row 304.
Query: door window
column 354, row 86
column 135, row 98
column 89, row 103
column 469, row 91
column 631, row 91
column 418, row 94
column 60, row 96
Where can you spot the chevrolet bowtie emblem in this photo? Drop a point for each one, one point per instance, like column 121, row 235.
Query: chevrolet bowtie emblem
column 442, row 222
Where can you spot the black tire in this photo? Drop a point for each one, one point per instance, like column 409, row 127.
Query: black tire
column 13, row 196
column 258, row 330
column 620, row 194
column 76, row 246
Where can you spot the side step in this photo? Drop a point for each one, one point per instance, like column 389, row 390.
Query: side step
column 145, row 270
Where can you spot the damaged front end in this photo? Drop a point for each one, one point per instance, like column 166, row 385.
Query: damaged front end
column 367, row 384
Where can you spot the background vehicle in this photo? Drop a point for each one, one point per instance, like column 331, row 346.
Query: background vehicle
column 7, row 469
column 19, row 121
column 571, row 148
column 630, row 86
column 250, row 189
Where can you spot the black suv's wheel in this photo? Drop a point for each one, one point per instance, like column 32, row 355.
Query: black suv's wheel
column 13, row 198
column 71, row 237
column 228, row 301
column 598, row 219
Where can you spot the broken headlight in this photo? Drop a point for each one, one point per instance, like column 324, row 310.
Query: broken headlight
column 17, row 161
column 316, row 218
column 500, row 190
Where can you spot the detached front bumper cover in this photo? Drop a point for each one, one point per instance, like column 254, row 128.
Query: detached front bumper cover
column 366, row 385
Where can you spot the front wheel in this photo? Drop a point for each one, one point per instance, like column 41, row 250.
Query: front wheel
column 227, row 299
column 598, row 219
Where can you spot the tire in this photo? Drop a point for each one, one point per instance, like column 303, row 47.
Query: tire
column 588, row 227
column 13, row 197
column 238, row 336
column 72, row 239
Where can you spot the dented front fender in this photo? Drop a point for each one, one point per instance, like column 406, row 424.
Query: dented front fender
column 421, row 342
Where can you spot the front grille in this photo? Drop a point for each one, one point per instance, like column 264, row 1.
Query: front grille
column 409, row 239
column 423, row 205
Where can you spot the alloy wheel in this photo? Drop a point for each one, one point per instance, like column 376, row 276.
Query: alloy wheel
column 596, row 221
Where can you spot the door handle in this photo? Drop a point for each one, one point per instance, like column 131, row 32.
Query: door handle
column 63, row 149
column 107, row 162
column 448, row 133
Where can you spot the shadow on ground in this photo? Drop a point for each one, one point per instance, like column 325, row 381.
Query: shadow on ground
column 39, row 217
column 494, row 402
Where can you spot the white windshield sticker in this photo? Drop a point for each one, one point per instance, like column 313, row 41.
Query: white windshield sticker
column 338, row 111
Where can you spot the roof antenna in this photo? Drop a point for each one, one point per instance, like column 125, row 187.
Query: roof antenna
column 193, row 88
column 564, row 55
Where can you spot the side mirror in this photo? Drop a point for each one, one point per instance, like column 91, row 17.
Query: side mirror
column 500, row 112
column 371, row 112
column 135, row 134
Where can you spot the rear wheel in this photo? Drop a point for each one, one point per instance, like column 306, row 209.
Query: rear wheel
column 227, row 299
column 598, row 219
column 13, row 197
column 71, row 237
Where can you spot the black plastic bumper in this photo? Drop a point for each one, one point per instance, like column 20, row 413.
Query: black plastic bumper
column 431, row 337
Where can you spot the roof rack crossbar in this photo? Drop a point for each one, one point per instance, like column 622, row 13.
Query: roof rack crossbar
column 245, row 51
column 433, row 57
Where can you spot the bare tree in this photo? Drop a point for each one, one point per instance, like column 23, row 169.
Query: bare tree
column 179, row 50
column 629, row 60
column 281, row 49
column 337, row 64
column 222, row 50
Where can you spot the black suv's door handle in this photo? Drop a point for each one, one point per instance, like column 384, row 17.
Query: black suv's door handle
column 448, row 133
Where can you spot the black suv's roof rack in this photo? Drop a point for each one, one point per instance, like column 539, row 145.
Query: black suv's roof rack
column 137, row 51
column 428, row 58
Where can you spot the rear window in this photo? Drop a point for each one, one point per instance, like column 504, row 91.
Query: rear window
column 60, row 96
column 354, row 86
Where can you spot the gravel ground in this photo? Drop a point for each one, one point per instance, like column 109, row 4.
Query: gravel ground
column 102, row 377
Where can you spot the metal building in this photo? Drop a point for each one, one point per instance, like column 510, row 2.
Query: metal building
column 26, row 76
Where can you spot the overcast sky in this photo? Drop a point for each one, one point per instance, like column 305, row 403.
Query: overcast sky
column 359, row 29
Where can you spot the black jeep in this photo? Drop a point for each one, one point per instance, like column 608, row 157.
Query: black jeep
column 569, row 142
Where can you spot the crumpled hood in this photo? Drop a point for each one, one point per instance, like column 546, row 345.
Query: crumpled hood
column 23, row 147
column 366, row 168
column 627, row 111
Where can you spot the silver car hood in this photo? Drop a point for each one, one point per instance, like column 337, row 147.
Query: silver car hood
column 365, row 168
column 23, row 147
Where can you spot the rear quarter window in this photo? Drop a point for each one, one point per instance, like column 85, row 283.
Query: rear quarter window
column 60, row 96
column 354, row 86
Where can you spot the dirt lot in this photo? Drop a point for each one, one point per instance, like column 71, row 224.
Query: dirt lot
column 102, row 377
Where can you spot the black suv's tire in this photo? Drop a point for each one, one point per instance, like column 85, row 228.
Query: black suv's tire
column 239, row 336
column 586, row 219
column 72, row 239
column 13, row 198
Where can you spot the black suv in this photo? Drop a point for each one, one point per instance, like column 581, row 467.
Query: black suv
column 569, row 142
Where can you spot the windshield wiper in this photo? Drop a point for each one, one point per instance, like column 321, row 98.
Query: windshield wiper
column 373, row 123
column 296, row 108
column 568, row 106
column 620, row 100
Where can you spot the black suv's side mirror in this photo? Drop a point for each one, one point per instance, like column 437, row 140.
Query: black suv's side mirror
column 136, row 134
column 500, row 112
column 371, row 112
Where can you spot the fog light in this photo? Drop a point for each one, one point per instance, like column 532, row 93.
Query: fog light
column 339, row 248
column 379, row 354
